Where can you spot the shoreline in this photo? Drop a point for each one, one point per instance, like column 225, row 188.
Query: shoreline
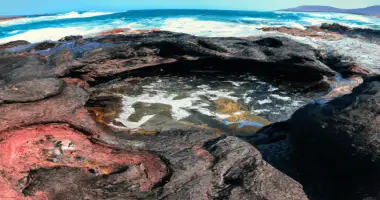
column 3, row 19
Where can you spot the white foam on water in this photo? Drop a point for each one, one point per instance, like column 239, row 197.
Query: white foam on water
column 360, row 18
column 253, row 19
column 235, row 83
column 276, row 96
column 261, row 111
column 364, row 53
column 210, row 28
column 179, row 106
column 265, row 101
column 69, row 15
column 53, row 34
column 134, row 125
column 296, row 103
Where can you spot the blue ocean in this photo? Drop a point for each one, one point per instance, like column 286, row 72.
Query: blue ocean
column 196, row 22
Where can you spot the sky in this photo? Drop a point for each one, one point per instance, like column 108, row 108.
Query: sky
column 26, row 7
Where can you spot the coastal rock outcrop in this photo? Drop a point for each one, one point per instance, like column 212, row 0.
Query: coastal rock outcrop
column 362, row 33
column 13, row 44
column 52, row 146
column 159, row 50
column 32, row 90
column 337, row 143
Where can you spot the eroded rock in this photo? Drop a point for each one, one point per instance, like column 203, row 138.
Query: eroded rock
column 67, row 107
column 33, row 90
column 13, row 44
column 27, row 153
column 337, row 144
column 180, row 52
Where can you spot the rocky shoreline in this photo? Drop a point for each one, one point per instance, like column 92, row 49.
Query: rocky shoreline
column 3, row 19
column 58, row 102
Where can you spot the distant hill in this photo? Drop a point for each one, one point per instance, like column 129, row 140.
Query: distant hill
column 372, row 10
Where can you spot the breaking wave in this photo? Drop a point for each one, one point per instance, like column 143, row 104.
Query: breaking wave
column 196, row 22
column 69, row 15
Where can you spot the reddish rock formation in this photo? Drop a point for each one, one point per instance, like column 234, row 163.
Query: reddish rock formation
column 67, row 107
column 78, row 82
column 52, row 148
column 114, row 31
column 127, row 31
column 313, row 32
column 54, row 145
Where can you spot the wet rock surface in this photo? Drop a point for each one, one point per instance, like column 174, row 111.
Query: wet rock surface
column 355, row 49
column 60, row 137
column 180, row 52
column 337, row 143
column 33, row 90
column 13, row 44
column 366, row 34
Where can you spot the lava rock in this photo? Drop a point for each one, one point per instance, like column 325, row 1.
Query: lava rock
column 66, row 107
column 174, row 52
column 13, row 44
column 33, row 90
column 363, row 33
column 70, row 38
column 336, row 144
column 62, row 162
column 17, row 68
column 102, row 58
column 230, row 168
column 45, row 45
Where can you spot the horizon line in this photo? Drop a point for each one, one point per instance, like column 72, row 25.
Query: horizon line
column 53, row 13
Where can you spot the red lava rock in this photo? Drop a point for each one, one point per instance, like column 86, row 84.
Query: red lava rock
column 78, row 82
column 359, row 70
column 67, row 107
column 204, row 154
column 347, row 89
column 312, row 31
column 154, row 30
column 114, row 31
column 54, row 145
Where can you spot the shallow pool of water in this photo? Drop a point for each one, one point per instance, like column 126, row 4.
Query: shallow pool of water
column 232, row 103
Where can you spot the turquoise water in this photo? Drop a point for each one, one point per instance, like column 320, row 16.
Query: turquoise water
column 197, row 22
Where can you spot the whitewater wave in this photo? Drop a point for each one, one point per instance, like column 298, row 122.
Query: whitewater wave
column 54, row 34
column 70, row 15
column 340, row 17
column 253, row 19
column 209, row 28
column 219, row 29
column 217, row 24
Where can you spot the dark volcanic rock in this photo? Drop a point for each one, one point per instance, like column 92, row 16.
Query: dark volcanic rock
column 337, row 144
column 102, row 58
column 45, row 45
column 362, row 33
column 280, row 57
column 70, row 38
column 33, row 90
column 66, row 107
column 222, row 168
column 17, row 68
column 230, row 169
column 13, row 44
column 52, row 148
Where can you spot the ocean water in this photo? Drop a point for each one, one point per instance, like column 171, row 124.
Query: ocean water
column 196, row 22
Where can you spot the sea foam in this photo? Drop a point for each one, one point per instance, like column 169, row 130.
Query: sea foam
column 70, row 15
